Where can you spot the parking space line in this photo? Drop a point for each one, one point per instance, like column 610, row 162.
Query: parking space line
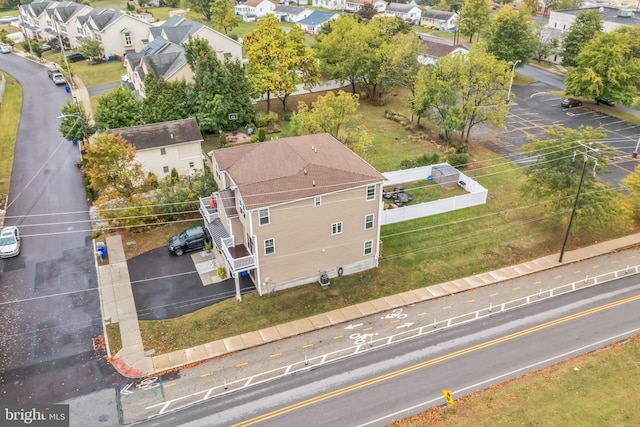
column 495, row 294
column 337, row 337
column 205, row 375
column 446, row 307
column 557, row 277
column 595, row 266
column 471, row 300
column 276, row 355
column 368, row 329
column 516, row 288
column 240, row 365
column 307, row 346
column 421, row 314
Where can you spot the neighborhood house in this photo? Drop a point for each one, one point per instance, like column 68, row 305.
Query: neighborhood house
column 293, row 209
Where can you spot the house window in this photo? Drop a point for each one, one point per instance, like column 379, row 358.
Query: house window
column 317, row 201
column 264, row 216
column 218, row 172
column 269, row 246
column 371, row 192
column 98, row 37
column 368, row 222
column 249, row 244
column 368, row 247
column 165, row 169
column 163, row 151
column 192, row 165
column 336, row 228
column 128, row 41
column 242, row 210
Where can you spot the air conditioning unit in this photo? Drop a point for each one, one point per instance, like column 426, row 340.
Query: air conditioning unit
column 625, row 13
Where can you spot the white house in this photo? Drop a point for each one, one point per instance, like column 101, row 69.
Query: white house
column 329, row 4
column 118, row 32
column 355, row 5
column 161, row 147
column 312, row 23
column 251, row 10
column 440, row 19
column 34, row 16
column 407, row 12
column 286, row 13
column 612, row 17
column 433, row 51
column 63, row 20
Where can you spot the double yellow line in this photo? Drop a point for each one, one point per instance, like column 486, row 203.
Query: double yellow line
column 431, row 362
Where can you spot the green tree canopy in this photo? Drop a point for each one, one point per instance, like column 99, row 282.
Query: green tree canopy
column 223, row 15
column 118, row 109
column 583, row 29
column 554, row 176
column 279, row 61
column 74, row 123
column 164, row 101
column 511, row 36
column 474, row 17
column 632, row 184
column 606, row 68
column 91, row 49
column 461, row 91
column 203, row 7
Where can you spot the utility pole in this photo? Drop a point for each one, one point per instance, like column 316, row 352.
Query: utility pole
column 634, row 155
column 575, row 202
column 513, row 73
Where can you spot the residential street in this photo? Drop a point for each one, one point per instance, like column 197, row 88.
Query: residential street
column 49, row 307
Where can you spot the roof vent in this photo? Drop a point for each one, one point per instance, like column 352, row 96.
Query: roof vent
column 315, row 150
column 171, row 136
column 305, row 171
column 314, row 183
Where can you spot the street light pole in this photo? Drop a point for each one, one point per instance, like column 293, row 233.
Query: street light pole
column 513, row 73
column 634, row 155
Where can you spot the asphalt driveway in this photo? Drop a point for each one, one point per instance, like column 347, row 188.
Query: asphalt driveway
column 167, row 286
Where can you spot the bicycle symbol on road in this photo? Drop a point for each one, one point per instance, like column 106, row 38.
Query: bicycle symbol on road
column 396, row 314
column 145, row 384
column 360, row 339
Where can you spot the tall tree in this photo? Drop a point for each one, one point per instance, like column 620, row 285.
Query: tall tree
column 164, row 101
column 240, row 89
column 474, row 17
column 366, row 12
column 264, row 48
column 546, row 46
column 91, row 49
column 400, row 67
column 223, row 15
column 75, row 123
column 332, row 114
column 112, row 168
column 583, row 29
column 279, row 61
column 606, row 68
column 203, row 7
column 342, row 51
column 210, row 94
column 117, row 109
column 511, row 36
column 461, row 91
column 632, row 184
column 560, row 160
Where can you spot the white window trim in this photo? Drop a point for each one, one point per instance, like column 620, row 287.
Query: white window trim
column 373, row 197
column 260, row 217
column 336, row 225
column 373, row 221
column 364, row 248
column 273, row 245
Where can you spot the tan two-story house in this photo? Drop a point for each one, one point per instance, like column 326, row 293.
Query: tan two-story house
column 161, row 147
column 292, row 209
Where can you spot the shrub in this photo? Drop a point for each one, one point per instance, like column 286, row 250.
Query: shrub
column 233, row 36
column 458, row 160
column 266, row 118
column 261, row 135
column 222, row 272
column 223, row 139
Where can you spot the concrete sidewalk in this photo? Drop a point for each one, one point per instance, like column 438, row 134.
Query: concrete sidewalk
column 118, row 307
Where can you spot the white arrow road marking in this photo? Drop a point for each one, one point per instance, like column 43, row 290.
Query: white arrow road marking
column 352, row 326
column 406, row 325
column 126, row 390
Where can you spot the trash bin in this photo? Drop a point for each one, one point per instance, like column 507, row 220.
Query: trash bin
column 67, row 88
column 74, row 141
column 101, row 249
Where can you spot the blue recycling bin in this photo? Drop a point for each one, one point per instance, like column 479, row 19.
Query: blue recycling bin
column 67, row 88
column 74, row 141
column 101, row 249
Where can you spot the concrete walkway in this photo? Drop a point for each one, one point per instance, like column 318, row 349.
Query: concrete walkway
column 118, row 307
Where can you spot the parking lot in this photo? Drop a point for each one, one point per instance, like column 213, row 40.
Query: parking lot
column 535, row 110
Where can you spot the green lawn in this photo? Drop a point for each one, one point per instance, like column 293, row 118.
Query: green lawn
column 9, row 120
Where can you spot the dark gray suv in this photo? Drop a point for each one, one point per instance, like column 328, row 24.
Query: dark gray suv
column 191, row 239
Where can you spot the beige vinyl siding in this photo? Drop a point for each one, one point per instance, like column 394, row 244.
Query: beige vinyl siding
column 304, row 244
column 177, row 156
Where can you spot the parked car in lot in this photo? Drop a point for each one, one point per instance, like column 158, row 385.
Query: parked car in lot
column 605, row 101
column 75, row 57
column 9, row 242
column 59, row 79
column 191, row 239
column 52, row 71
column 570, row 103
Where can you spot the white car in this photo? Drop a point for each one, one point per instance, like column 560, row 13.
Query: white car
column 125, row 78
column 4, row 49
column 9, row 242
